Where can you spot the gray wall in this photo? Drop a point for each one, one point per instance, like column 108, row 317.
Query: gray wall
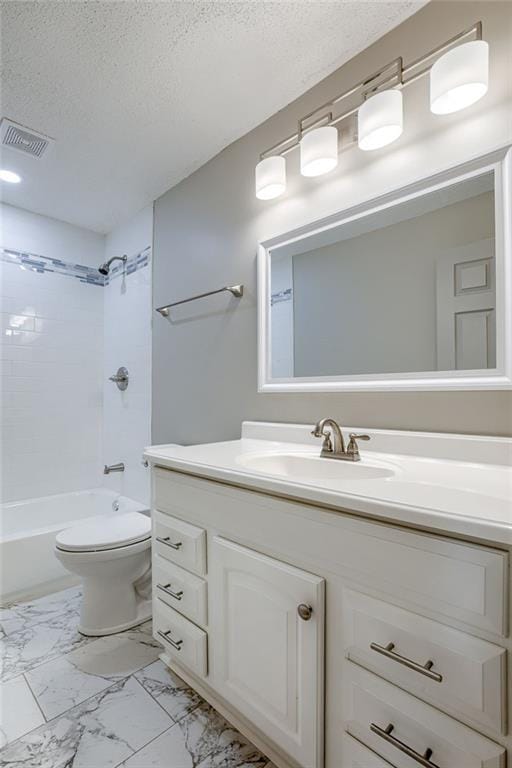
column 385, row 282
column 207, row 228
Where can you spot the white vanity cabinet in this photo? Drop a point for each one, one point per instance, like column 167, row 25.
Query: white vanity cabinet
column 438, row 606
column 267, row 652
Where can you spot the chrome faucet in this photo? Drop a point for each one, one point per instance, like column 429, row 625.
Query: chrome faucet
column 333, row 446
column 107, row 469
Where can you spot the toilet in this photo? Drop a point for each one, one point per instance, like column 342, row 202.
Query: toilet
column 113, row 558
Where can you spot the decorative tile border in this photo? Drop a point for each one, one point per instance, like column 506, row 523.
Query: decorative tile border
column 133, row 264
column 36, row 263
column 279, row 296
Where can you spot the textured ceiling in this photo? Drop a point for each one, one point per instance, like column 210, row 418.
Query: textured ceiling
column 138, row 95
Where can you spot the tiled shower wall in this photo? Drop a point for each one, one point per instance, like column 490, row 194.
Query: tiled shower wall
column 62, row 334
column 51, row 352
column 127, row 342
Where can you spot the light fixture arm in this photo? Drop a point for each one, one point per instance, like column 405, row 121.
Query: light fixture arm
column 391, row 75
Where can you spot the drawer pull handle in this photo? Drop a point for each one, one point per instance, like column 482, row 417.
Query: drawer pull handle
column 175, row 643
column 167, row 541
column 168, row 591
column 409, row 751
column 424, row 669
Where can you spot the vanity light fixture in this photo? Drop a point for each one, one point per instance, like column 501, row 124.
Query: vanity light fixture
column 459, row 78
column 380, row 120
column 9, row 176
column 372, row 113
column 319, row 151
column 270, row 177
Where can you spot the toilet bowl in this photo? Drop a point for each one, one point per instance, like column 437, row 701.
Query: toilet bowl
column 113, row 558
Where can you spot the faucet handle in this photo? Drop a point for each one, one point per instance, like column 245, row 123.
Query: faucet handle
column 352, row 447
column 327, row 443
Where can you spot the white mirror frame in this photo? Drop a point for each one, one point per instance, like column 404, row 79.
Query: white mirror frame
column 500, row 162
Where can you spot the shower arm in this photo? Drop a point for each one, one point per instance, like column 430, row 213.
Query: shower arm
column 104, row 269
column 117, row 258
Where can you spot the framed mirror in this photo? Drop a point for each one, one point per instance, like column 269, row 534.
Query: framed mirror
column 410, row 291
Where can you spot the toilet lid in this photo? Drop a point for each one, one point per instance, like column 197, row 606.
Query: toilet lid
column 106, row 533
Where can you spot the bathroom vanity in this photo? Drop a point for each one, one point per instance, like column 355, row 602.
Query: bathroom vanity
column 350, row 614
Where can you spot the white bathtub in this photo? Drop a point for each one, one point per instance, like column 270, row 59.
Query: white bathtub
column 28, row 528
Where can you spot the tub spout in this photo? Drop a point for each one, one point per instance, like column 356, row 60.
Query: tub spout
column 108, row 468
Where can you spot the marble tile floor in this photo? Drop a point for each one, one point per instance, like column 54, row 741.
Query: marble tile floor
column 67, row 701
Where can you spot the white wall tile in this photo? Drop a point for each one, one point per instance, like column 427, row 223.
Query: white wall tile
column 51, row 347
column 61, row 418
column 127, row 342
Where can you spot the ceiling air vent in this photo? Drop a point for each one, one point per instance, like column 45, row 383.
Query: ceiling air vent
column 23, row 139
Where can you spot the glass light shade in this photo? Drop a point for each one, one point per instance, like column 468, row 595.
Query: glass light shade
column 459, row 78
column 9, row 176
column 270, row 177
column 319, row 151
column 380, row 120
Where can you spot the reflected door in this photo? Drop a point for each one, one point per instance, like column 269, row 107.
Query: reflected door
column 466, row 308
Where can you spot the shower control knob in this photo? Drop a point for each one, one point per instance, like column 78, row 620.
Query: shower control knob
column 305, row 611
column 120, row 378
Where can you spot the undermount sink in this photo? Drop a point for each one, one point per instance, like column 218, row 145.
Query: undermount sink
column 308, row 467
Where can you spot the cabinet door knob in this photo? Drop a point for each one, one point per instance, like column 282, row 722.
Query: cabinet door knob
column 305, row 611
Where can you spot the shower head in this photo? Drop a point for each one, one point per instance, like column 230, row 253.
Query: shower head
column 104, row 269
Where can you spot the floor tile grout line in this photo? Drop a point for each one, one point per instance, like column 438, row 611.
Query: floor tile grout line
column 155, row 700
column 32, row 624
column 173, row 721
column 36, row 666
column 136, row 752
column 107, row 686
column 187, row 687
column 63, row 714
column 177, row 722
column 89, row 640
column 35, row 699
column 12, row 606
column 187, row 714
column 104, row 691
column 112, row 684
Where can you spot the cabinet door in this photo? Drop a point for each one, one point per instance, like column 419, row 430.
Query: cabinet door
column 267, row 661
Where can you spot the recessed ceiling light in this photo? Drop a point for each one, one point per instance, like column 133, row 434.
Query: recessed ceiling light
column 9, row 176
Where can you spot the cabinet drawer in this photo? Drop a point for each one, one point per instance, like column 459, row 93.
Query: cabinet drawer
column 355, row 755
column 181, row 639
column 180, row 589
column 373, row 707
column 467, row 676
column 180, row 542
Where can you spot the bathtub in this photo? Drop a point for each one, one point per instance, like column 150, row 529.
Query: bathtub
column 28, row 566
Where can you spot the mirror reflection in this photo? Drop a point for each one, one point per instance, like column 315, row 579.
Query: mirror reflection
column 410, row 288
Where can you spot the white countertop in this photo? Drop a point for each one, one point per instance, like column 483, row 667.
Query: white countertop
column 468, row 497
